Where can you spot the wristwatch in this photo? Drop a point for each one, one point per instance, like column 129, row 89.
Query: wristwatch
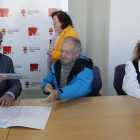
column 58, row 98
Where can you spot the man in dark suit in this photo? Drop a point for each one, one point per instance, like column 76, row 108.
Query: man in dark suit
column 10, row 89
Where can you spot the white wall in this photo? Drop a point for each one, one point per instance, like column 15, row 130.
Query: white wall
column 78, row 12
column 63, row 5
column 91, row 20
column 98, row 18
column 109, row 29
column 124, row 33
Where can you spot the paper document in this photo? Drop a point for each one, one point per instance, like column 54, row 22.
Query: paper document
column 6, row 114
column 26, row 116
column 14, row 75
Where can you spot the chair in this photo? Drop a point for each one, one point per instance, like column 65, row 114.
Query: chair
column 99, row 94
column 118, row 79
column 97, row 82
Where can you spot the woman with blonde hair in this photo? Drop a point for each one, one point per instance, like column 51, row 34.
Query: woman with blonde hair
column 131, row 81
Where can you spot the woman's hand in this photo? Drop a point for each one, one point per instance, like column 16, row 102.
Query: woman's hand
column 49, row 53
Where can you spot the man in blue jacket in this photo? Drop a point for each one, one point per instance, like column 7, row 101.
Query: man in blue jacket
column 10, row 89
column 71, row 76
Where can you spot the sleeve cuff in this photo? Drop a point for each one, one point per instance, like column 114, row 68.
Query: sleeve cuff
column 10, row 93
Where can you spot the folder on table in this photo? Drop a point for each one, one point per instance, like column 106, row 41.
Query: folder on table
column 14, row 75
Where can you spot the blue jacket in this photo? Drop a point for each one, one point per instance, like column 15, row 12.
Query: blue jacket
column 79, row 79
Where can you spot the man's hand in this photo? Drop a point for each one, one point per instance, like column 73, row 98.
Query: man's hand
column 48, row 88
column 52, row 97
column 2, row 78
column 6, row 100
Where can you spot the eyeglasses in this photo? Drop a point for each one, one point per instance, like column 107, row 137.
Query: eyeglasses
column 54, row 21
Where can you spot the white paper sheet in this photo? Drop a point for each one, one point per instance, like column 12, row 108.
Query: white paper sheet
column 29, row 116
column 7, row 113
column 14, row 75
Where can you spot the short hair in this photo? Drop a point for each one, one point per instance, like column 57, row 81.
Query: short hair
column 63, row 18
column 77, row 43
column 1, row 36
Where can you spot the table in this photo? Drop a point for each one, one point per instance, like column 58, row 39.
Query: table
column 4, row 132
column 86, row 118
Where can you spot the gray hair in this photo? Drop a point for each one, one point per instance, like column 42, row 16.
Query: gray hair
column 1, row 36
column 77, row 43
